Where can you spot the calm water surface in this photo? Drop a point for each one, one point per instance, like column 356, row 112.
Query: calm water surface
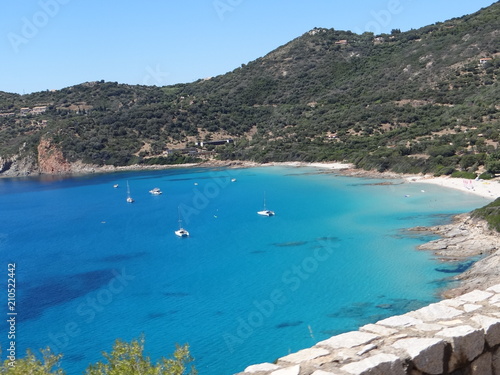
column 242, row 289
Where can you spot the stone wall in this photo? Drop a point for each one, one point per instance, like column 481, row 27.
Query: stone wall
column 459, row 336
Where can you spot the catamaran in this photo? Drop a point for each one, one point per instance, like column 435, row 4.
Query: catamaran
column 265, row 211
column 181, row 232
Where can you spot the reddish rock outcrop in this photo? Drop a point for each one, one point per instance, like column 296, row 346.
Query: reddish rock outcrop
column 51, row 159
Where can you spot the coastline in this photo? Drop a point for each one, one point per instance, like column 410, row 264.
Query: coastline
column 464, row 238
column 484, row 188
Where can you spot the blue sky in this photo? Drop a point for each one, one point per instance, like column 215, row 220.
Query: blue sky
column 51, row 44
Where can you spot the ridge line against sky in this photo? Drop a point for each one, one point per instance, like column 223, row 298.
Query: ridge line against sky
column 52, row 44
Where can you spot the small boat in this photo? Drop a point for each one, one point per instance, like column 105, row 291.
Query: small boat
column 155, row 191
column 115, row 186
column 129, row 198
column 265, row 211
column 181, row 232
column 233, row 180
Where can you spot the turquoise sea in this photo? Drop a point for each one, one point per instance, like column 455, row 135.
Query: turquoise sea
column 242, row 289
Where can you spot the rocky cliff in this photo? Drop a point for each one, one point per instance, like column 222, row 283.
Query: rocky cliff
column 17, row 165
column 464, row 238
column 51, row 159
column 48, row 159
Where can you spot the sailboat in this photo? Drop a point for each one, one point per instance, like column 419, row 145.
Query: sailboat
column 129, row 198
column 265, row 211
column 181, row 232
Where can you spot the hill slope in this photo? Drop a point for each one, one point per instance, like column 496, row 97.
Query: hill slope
column 423, row 100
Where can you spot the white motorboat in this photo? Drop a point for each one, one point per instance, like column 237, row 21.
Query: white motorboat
column 155, row 191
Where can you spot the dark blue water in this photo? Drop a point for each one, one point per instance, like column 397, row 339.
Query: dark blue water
column 242, row 289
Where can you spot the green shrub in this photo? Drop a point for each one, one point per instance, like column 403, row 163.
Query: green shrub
column 464, row 174
column 486, row 176
column 490, row 213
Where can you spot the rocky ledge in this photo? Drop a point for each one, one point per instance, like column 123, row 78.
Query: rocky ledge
column 454, row 336
column 464, row 238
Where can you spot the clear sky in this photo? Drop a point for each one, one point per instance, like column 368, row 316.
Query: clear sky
column 51, row 44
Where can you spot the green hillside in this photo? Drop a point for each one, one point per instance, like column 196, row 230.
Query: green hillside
column 425, row 100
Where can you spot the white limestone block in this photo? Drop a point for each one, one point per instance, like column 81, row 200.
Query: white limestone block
column 494, row 288
column 294, row 370
column 451, row 323
column 261, row 368
column 452, row 302
column 494, row 299
column 434, row 312
column 321, row 372
column 380, row 364
column 349, row 340
column 305, row 355
column 475, row 296
column 365, row 349
column 378, row 330
column 491, row 327
column 470, row 307
column 426, row 353
column 428, row 327
column 400, row 321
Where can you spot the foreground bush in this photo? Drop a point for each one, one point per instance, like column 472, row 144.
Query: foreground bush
column 124, row 359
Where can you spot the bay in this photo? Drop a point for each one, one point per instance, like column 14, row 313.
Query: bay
column 242, row 289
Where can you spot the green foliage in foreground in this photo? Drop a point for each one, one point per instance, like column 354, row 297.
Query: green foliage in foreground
column 124, row 359
column 33, row 365
column 490, row 213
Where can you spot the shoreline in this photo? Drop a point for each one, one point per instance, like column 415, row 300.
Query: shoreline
column 462, row 239
column 486, row 188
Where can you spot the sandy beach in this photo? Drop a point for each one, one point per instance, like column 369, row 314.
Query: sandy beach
column 485, row 188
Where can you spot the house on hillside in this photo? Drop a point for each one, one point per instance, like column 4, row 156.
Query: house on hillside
column 214, row 143
column 341, row 42
column 485, row 60
column 183, row 151
column 25, row 111
column 38, row 110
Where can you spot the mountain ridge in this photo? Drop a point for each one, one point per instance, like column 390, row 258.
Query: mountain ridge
column 424, row 100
